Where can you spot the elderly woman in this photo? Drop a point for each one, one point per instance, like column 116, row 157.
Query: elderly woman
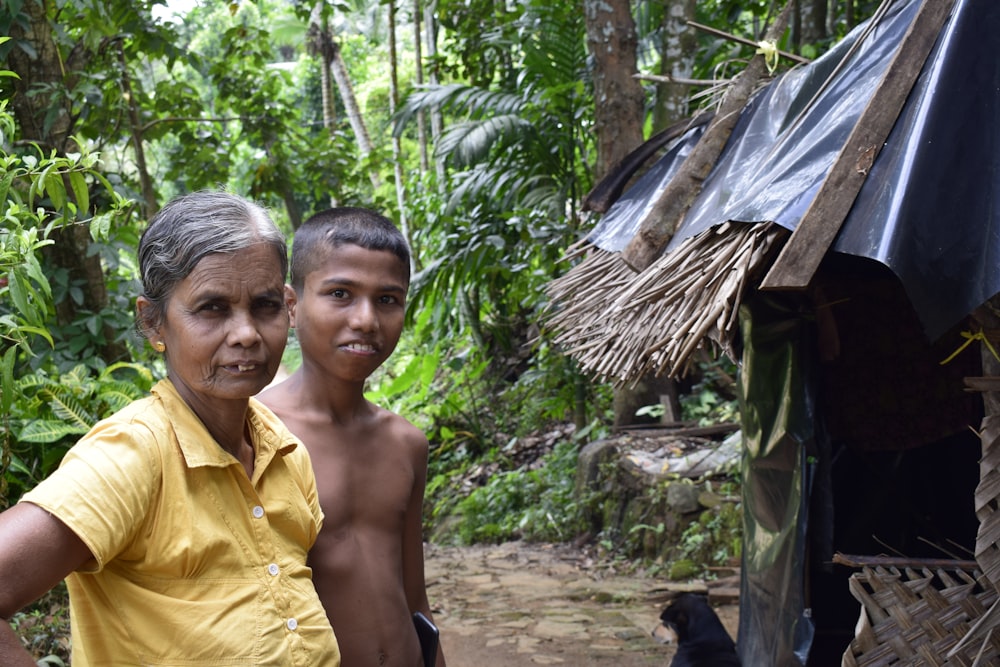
column 183, row 521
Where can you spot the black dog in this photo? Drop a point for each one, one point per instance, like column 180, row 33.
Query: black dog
column 702, row 640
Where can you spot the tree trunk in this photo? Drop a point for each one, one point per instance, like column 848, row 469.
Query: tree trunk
column 326, row 47
column 418, row 74
column 135, row 124
column 437, row 122
column 318, row 37
column 810, row 23
column 318, row 40
column 619, row 98
column 48, row 121
column 618, row 113
column 677, row 50
column 397, row 149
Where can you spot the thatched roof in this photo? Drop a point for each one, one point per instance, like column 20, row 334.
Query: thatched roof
column 633, row 324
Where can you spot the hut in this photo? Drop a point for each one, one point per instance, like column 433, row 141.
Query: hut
column 844, row 250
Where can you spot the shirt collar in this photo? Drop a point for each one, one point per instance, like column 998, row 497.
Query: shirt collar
column 199, row 448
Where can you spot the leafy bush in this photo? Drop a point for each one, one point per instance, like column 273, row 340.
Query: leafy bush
column 51, row 412
column 715, row 539
column 712, row 399
column 44, row 628
column 534, row 504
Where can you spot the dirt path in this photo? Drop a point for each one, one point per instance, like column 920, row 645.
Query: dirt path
column 525, row 604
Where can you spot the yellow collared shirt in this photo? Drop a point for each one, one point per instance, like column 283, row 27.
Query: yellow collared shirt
column 196, row 564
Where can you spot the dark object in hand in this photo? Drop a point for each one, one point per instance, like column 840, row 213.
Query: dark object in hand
column 429, row 637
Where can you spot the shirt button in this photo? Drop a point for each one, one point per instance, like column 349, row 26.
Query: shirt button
column 272, row 569
column 292, row 624
column 258, row 512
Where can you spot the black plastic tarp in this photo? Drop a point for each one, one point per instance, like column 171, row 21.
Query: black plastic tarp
column 776, row 393
column 930, row 206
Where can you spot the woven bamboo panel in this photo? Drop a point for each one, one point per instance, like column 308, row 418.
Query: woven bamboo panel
column 916, row 617
column 988, row 501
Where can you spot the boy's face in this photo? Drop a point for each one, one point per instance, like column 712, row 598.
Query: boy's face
column 349, row 315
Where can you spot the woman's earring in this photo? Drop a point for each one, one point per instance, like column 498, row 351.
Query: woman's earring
column 160, row 346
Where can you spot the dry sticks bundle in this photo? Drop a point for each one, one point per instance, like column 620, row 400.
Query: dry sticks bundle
column 621, row 325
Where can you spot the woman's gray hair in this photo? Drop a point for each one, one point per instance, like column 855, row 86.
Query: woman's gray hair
column 191, row 227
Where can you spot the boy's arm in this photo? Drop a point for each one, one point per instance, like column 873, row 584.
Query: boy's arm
column 37, row 551
column 413, row 542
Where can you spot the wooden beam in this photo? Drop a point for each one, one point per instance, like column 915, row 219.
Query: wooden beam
column 797, row 263
column 901, row 561
column 982, row 383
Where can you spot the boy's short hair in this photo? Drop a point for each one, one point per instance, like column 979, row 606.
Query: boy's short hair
column 344, row 225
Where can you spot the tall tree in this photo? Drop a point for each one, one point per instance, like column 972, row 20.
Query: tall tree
column 677, row 46
column 397, row 150
column 619, row 114
column 48, row 100
column 418, row 79
column 517, row 153
column 619, row 98
column 325, row 44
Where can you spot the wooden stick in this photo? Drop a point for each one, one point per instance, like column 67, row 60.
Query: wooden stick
column 896, row 561
column 741, row 40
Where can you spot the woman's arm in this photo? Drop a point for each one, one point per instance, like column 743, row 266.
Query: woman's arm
column 37, row 551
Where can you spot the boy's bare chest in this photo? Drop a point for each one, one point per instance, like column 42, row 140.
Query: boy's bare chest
column 366, row 482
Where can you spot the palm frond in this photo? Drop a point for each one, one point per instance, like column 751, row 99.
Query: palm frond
column 555, row 54
column 470, row 142
column 462, row 99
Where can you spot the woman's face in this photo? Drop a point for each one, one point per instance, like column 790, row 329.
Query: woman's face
column 225, row 326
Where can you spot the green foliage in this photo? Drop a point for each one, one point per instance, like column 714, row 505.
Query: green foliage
column 40, row 194
column 51, row 412
column 44, row 628
column 715, row 539
column 519, row 151
column 535, row 504
column 34, row 202
column 712, row 399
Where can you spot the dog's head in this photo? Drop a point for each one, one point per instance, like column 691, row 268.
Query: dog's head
column 676, row 618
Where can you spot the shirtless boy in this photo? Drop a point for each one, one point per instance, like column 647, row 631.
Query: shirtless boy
column 350, row 272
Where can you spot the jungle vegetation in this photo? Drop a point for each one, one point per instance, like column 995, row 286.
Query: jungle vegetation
column 476, row 124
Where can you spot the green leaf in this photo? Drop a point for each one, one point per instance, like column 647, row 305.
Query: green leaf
column 5, row 182
column 38, row 331
column 48, row 430
column 80, row 192
column 56, row 190
column 65, row 406
column 20, row 295
column 100, row 226
column 7, row 380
